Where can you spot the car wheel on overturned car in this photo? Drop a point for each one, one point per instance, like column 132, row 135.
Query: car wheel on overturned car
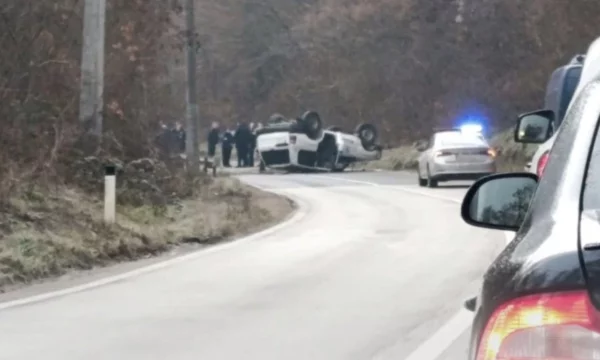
column 312, row 124
column 367, row 133
column 276, row 118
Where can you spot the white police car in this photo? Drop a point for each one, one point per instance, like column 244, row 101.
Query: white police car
column 455, row 154
column 303, row 145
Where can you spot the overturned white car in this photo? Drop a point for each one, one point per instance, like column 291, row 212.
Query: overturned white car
column 303, row 145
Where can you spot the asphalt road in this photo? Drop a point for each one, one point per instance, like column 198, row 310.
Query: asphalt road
column 371, row 267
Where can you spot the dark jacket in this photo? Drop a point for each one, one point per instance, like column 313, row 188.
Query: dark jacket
column 213, row 136
column 243, row 135
column 227, row 140
column 179, row 139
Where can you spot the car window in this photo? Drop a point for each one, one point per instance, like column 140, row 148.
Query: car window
column 571, row 80
column 457, row 138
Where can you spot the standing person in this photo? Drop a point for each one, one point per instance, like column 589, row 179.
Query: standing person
column 242, row 144
column 179, row 138
column 213, row 139
column 162, row 139
column 226, row 146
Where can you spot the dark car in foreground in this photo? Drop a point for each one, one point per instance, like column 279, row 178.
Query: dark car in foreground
column 540, row 299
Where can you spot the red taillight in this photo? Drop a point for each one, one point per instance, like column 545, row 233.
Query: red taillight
column 561, row 326
column 489, row 152
column 541, row 165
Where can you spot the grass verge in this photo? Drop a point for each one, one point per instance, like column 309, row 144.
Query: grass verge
column 46, row 233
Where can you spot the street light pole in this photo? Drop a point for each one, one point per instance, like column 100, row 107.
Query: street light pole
column 191, row 145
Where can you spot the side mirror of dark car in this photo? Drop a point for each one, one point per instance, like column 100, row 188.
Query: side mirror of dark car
column 534, row 127
column 471, row 304
column 499, row 201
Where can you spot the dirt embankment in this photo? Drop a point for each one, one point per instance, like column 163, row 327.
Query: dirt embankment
column 49, row 231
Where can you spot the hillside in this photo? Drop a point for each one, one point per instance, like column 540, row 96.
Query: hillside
column 404, row 64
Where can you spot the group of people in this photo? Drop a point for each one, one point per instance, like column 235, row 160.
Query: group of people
column 171, row 139
column 243, row 139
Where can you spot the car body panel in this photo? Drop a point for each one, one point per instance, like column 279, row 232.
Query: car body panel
column 278, row 151
column 545, row 256
column 467, row 164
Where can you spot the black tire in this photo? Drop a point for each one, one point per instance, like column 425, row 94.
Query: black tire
column 431, row 183
column 422, row 182
column 368, row 135
column 379, row 152
column 312, row 124
column 262, row 167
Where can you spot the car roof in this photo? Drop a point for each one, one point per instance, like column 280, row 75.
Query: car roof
column 460, row 138
column 445, row 129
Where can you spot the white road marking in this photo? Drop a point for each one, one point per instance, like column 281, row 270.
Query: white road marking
column 402, row 188
column 297, row 216
column 435, row 346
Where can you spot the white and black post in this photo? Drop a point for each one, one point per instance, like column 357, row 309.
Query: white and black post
column 110, row 193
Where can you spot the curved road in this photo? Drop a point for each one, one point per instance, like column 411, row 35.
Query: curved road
column 371, row 267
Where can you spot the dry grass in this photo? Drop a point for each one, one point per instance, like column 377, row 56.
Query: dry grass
column 48, row 233
column 400, row 158
column 511, row 156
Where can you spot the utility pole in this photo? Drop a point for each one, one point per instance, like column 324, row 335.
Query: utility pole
column 191, row 144
column 91, row 100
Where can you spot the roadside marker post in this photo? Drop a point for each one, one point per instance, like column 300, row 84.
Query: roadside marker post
column 110, row 193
